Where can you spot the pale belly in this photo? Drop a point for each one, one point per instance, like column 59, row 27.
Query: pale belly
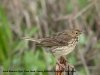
column 64, row 50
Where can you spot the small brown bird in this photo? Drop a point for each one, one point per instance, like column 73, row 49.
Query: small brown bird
column 61, row 43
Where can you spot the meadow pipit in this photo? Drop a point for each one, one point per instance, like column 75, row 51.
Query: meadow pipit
column 61, row 43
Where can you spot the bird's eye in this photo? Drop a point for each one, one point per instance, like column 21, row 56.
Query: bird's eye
column 76, row 33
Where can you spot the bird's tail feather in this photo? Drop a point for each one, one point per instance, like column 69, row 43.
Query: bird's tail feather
column 31, row 39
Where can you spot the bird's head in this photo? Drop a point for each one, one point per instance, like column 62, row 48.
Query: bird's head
column 75, row 32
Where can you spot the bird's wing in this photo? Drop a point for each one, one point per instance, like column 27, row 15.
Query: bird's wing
column 47, row 42
column 63, row 38
column 60, row 39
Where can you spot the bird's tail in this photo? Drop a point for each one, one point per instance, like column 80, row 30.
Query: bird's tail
column 31, row 39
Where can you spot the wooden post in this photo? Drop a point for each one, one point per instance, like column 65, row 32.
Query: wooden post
column 62, row 67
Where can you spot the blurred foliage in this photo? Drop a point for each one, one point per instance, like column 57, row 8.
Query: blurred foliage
column 5, row 36
column 18, row 54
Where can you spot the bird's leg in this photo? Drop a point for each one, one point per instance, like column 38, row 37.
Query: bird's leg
column 62, row 62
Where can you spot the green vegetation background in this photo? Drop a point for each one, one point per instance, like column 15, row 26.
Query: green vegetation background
column 16, row 54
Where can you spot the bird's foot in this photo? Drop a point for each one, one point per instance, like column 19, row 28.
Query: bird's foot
column 63, row 63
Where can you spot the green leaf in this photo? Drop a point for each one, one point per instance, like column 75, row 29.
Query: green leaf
column 5, row 36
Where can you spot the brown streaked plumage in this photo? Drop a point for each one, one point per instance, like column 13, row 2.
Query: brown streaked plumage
column 60, row 44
